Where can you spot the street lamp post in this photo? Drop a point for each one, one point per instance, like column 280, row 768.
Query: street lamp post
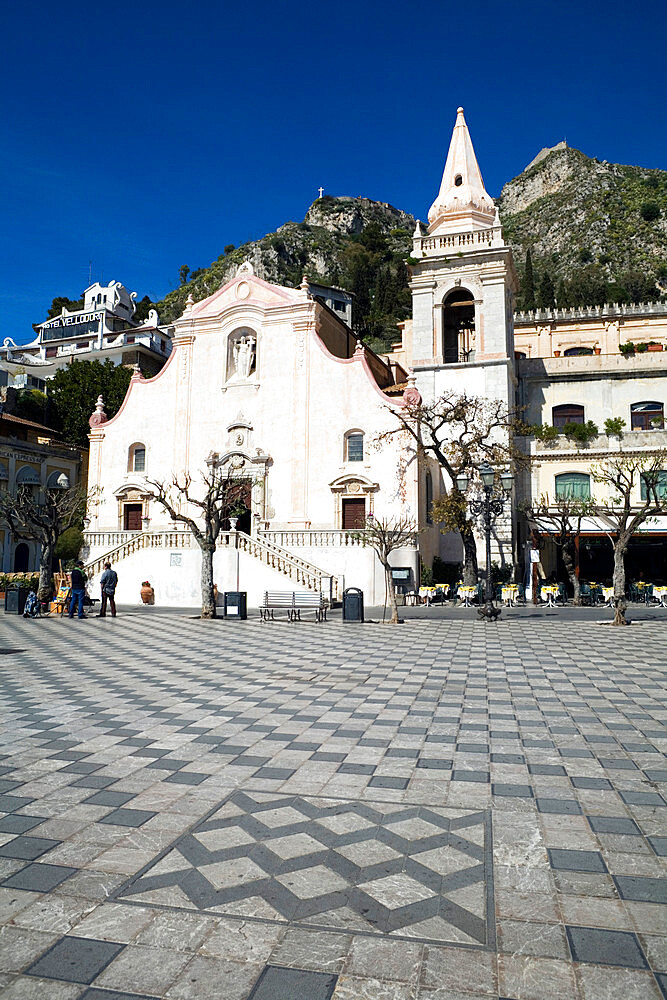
column 487, row 507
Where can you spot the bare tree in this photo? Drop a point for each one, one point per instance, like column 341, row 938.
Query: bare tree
column 621, row 517
column 385, row 535
column 561, row 519
column 460, row 432
column 218, row 495
column 42, row 516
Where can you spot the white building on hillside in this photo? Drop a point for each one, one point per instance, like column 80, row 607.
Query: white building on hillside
column 105, row 328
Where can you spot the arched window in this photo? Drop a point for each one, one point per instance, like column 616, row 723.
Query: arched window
column 58, row 481
column 647, row 416
column 658, row 487
column 573, row 485
column 136, row 457
column 27, row 478
column 458, row 326
column 568, row 413
column 428, row 496
column 575, row 352
column 354, row 446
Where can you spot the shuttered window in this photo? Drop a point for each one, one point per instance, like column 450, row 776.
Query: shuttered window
column 575, row 485
column 658, row 486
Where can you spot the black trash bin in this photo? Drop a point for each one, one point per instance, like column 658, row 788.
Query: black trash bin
column 15, row 600
column 353, row 605
column 236, row 604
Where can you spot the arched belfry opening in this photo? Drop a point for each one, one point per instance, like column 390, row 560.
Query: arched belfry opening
column 458, row 327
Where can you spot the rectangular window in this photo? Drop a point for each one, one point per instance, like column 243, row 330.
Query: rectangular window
column 355, row 448
column 646, row 416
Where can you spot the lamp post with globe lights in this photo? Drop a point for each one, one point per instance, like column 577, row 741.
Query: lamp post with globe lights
column 488, row 507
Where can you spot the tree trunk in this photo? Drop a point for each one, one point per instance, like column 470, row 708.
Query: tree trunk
column 470, row 568
column 45, row 565
column 568, row 562
column 207, row 596
column 620, row 603
column 391, row 591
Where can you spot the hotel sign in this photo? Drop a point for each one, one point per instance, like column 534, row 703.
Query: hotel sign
column 75, row 320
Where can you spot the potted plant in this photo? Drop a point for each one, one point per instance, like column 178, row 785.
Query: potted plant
column 597, row 350
column 641, row 348
column 653, row 345
column 627, row 349
column 556, row 354
column 147, row 593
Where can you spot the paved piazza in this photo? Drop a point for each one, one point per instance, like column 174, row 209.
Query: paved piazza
column 437, row 811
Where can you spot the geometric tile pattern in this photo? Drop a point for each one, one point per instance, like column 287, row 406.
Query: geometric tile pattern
column 119, row 737
column 377, row 868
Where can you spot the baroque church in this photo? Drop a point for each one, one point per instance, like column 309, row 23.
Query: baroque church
column 270, row 382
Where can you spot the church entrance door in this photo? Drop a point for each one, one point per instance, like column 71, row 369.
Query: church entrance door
column 243, row 497
column 132, row 516
column 354, row 513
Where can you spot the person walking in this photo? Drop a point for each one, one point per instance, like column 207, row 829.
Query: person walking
column 78, row 581
column 108, row 583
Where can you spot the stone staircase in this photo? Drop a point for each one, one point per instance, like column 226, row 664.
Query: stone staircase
column 303, row 574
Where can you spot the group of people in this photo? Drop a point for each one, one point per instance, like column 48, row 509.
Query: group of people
column 108, row 584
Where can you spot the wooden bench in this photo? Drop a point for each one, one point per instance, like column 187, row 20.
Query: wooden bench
column 293, row 602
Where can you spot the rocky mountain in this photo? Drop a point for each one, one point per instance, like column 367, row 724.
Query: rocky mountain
column 355, row 243
column 575, row 212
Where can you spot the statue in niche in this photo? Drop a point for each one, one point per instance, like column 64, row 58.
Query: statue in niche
column 245, row 356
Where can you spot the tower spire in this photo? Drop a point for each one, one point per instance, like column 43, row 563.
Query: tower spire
column 462, row 204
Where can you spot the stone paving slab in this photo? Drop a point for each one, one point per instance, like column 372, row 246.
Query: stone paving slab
column 441, row 810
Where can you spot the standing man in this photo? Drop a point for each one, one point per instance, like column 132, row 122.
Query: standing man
column 108, row 583
column 78, row 589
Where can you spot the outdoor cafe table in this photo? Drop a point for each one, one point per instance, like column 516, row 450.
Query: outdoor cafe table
column 509, row 594
column 608, row 594
column 549, row 595
column 661, row 594
column 467, row 594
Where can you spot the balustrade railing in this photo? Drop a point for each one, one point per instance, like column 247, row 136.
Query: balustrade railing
column 455, row 241
column 123, row 544
column 310, row 537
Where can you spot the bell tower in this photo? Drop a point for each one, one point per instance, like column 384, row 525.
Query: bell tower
column 463, row 283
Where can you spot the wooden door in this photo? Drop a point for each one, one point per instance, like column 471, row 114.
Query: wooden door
column 132, row 516
column 354, row 513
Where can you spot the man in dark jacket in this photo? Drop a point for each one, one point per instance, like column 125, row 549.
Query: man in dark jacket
column 78, row 589
column 108, row 583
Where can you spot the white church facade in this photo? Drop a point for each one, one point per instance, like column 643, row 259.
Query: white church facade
column 270, row 382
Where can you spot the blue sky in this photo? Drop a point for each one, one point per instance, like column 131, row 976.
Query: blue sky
column 143, row 136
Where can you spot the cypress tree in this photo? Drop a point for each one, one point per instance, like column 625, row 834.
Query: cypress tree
column 562, row 297
column 545, row 293
column 528, row 290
